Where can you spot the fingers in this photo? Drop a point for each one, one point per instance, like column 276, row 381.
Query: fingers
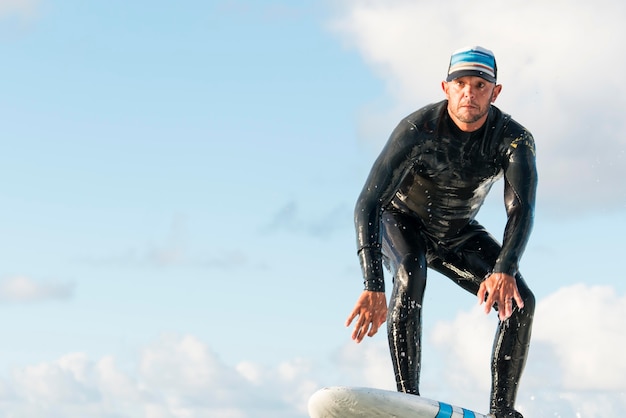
column 500, row 290
column 352, row 315
column 364, row 326
column 506, row 309
column 487, row 296
column 490, row 301
column 357, row 334
column 507, row 303
column 373, row 329
column 518, row 299
column 370, row 313
column 367, row 323
column 360, row 329
column 482, row 292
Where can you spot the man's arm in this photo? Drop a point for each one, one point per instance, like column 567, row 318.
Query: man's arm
column 370, row 310
column 383, row 181
column 520, row 187
column 520, row 181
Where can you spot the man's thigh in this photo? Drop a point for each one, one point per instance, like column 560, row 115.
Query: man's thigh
column 402, row 242
column 472, row 262
column 469, row 263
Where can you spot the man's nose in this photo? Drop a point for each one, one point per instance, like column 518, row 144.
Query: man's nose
column 468, row 91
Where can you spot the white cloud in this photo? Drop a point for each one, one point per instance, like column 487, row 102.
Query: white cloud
column 575, row 368
column 174, row 377
column 584, row 327
column 556, row 61
column 24, row 289
column 186, row 364
column 465, row 344
column 366, row 364
column 66, row 380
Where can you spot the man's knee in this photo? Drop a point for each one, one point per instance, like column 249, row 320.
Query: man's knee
column 524, row 316
column 529, row 302
column 409, row 285
column 410, row 274
column 528, row 298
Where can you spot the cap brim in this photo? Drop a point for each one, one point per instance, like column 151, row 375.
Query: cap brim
column 475, row 73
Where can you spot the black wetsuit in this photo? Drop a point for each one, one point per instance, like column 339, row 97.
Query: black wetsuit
column 417, row 210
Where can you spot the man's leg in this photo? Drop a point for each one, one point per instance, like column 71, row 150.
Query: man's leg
column 468, row 266
column 510, row 350
column 404, row 250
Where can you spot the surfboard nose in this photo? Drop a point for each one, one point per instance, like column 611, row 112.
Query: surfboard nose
column 333, row 402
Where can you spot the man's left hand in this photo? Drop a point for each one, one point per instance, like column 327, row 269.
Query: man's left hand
column 500, row 289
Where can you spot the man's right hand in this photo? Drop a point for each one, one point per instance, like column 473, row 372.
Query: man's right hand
column 371, row 310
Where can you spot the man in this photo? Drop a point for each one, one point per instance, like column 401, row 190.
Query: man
column 418, row 208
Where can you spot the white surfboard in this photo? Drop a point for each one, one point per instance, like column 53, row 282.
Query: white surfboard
column 360, row 402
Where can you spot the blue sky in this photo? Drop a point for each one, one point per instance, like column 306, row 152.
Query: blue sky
column 178, row 185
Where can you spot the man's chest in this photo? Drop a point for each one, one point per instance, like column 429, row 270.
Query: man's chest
column 464, row 162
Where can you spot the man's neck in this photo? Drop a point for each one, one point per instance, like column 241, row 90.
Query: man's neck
column 460, row 133
column 468, row 127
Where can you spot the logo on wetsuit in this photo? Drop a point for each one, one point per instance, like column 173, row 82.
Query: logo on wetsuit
column 524, row 140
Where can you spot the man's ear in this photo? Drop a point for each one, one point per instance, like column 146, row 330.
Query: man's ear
column 444, row 87
column 496, row 92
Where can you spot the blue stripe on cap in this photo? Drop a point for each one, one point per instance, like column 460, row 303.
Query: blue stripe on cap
column 473, row 57
column 473, row 61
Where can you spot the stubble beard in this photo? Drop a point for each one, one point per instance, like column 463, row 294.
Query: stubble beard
column 473, row 118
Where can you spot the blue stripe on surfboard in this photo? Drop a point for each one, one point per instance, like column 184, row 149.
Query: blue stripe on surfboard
column 468, row 414
column 445, row 410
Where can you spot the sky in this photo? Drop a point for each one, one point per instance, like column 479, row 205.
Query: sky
column 177, row 185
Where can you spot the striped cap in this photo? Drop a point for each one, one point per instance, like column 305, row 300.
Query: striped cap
column 476, row 61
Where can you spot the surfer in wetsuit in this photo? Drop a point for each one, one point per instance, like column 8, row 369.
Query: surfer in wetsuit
column 418, row 208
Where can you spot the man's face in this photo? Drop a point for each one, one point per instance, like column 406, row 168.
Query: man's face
column 469, row 99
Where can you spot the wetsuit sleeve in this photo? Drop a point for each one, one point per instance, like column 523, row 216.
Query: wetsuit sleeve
column 384, row 179
column 520, row 186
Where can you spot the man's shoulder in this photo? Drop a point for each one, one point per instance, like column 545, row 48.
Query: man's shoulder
column 510, row 126
column 426, row 118
column 513, row 133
